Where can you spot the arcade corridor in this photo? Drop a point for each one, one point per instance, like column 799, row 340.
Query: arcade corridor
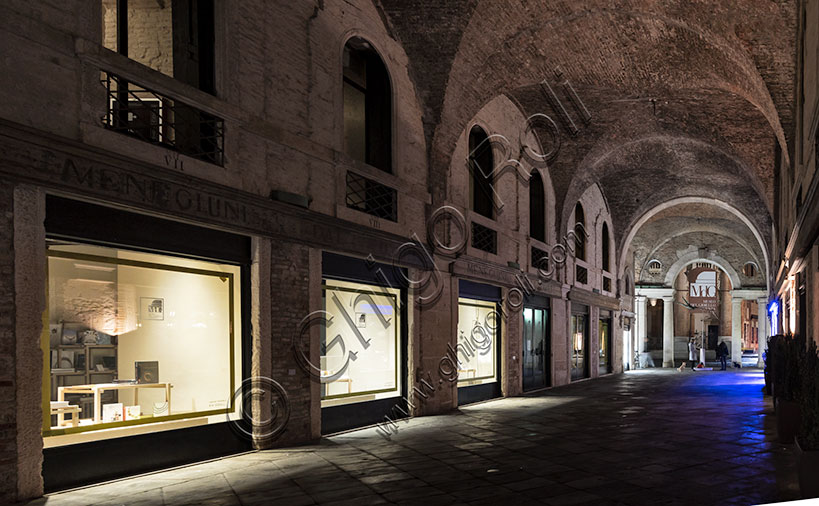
column 645, row 437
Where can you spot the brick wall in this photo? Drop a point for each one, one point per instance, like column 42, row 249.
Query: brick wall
column 8, row 397
column 290, row 303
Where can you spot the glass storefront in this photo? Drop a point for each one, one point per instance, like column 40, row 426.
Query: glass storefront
column 137, row 338
column 604, row 336
column 477, row 340
column 536, row 348
column 579, row 344
column 361, row 354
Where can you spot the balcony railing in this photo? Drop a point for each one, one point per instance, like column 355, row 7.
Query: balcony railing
column 540, row 259
column 484, row 238
column 371, row 197
column 581, row 274
column 147, row 115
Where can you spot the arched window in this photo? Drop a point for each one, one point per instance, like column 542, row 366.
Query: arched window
column 606, row 248
column 627, row 283
column 749, row 269
column 537, row 207
column 580, row 243
column 481, row 165
column 655, row 267
column 367, row 106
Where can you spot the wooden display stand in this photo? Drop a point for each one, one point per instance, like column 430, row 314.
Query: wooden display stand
column 61, row 412
column 97, row 389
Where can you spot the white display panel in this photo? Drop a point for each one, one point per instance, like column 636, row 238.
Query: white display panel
column 111, row 311
column 478, row 325
column 360, row 350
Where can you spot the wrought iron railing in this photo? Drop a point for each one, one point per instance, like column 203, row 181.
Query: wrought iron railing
column 540, row 259
column 484, row 238
column 371, row 197
column 152, row 117
column 581, row 274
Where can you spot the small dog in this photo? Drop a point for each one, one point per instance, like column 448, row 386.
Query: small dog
column 680, row 368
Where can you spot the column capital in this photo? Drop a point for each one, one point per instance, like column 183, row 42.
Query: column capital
column 668, row 298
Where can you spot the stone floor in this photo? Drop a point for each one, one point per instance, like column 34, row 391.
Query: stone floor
column 645, row 437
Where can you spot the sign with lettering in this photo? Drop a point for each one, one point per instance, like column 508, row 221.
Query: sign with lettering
column 702, row 289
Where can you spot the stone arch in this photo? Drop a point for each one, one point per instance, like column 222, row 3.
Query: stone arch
column 635, row 228
column 694, row 257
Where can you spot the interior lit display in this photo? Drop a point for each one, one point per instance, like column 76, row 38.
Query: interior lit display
column 360, row 349
column 478, row 327
column 136, row 338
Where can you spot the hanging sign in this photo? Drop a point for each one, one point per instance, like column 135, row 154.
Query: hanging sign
column 702, row 289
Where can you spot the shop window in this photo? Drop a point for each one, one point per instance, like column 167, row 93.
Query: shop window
column 654, row 267
column 537, row 208
column 136, row 338
column 580, row 236
column 481, row 164
column 361, row 356
column 367, row 106
column 477, row 358
column 175, row 37
column 606, row 247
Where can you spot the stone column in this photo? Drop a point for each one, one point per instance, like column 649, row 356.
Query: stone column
column 762, row 319
column 668, row 330
column 641, row 323
column 736, row 329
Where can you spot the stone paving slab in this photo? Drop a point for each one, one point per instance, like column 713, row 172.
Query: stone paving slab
column 645, row 437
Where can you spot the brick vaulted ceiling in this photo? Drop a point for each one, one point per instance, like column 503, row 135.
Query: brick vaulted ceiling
column 687, row 98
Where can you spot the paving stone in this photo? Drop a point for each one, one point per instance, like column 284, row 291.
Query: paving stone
column 533, row 449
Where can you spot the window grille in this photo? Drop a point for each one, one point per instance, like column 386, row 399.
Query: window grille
column 371, row 197
column 484, row 238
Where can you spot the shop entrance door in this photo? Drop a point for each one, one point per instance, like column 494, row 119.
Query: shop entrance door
column 580, row 345
column 536, row 348
column 604, row 350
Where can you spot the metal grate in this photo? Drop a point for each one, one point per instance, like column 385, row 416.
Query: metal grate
column 581, row 274
column 484, row 238
column 152, row 117
column 540, row 259
column 606, row 284
column 371, row 197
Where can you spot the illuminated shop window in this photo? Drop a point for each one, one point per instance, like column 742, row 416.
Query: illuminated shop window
column 137, row 338
column 360, row 349
column 476, row 352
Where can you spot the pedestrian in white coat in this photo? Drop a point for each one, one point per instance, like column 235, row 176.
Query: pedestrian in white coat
column 692, row 354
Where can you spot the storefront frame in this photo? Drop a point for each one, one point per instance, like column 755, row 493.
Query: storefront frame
column 94, row 224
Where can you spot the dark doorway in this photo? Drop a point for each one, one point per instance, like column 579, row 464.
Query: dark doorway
column 713, row 337
column 536, row 348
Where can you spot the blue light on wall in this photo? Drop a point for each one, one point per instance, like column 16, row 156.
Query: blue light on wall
column 773, row 309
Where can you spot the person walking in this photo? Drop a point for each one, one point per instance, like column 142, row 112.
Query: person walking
column 692, row 353
column 722, row 353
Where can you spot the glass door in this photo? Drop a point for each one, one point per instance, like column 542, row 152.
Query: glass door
column 604, row 364
column 536, row 348
column 580, row 367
